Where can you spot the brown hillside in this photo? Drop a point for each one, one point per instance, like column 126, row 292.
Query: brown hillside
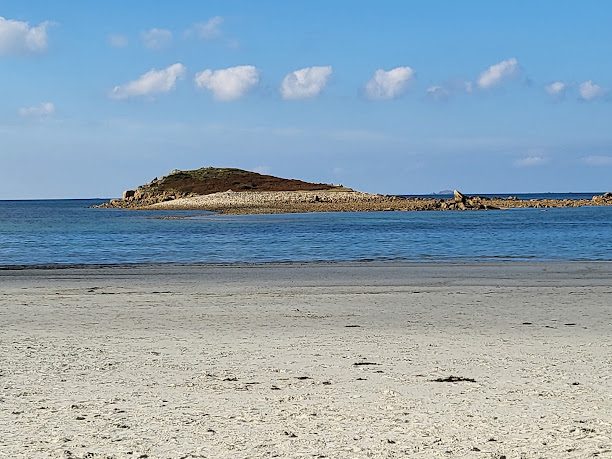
column 209, row 180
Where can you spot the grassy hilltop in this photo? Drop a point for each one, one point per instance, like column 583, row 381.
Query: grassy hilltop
column 209, row 180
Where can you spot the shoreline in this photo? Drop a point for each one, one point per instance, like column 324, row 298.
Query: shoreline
column 275, row 202
column 488, row 262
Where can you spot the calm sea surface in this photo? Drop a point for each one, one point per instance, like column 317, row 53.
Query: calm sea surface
column 70, row 232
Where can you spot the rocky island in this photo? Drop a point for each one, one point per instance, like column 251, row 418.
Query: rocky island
column 237, row 191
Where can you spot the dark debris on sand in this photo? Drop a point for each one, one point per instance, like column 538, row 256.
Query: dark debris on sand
column 453, row 379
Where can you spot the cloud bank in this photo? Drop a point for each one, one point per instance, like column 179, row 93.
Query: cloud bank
column 228, row 84
column 388, row 84
column 437, row 92
column 497, row 73
column 17, row 37
column 556, row 89
column 207, row 30
column 305, row 83
column 531, row 161
column 38, row 111
column 153, row 82
column 117, row 40
column 156, row 39
column 590, row 91
column 598, row 160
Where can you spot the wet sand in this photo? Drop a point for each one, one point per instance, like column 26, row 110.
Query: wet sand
column 313, row 360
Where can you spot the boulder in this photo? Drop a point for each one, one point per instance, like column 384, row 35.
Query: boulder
column 603, row 199
column 459, row 197
column 128, row 194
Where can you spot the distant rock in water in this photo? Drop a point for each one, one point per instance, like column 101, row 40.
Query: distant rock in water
column 209, row 180
column 462, row 202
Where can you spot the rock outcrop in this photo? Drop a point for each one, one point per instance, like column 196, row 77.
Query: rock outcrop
column 463, row 202
column 603, row 200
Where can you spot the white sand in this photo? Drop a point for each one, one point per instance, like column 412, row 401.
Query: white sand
column 171, row 361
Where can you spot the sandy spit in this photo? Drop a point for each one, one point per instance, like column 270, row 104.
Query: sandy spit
column 303, row 361
column 272, row 202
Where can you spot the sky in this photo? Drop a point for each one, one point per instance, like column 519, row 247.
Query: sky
column 395, row 97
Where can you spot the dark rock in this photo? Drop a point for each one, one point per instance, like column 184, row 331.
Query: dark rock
column 459, row 197
column 453, row 379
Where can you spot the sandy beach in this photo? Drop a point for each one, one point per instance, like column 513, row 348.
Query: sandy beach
column 313, row 360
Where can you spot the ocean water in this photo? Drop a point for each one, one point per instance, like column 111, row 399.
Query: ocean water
column 71, row 232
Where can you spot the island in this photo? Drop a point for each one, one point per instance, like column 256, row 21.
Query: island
column 237, row 191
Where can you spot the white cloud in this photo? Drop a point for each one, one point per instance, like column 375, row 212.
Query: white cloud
column 590, row 91
column 305, row 83
column 117, row 40
column 153, row 82
column 497, row 73
column 389, row 84
column 17, row 37
column 38, row 111
column 156, row 39
column 438, row 92
column 530, row 161
column 556, row 89
column 598, row 160
column 449, row 89
column 230, row 83
column 207, row 30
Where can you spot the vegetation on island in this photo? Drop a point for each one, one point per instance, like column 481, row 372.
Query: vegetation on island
column 210, row 180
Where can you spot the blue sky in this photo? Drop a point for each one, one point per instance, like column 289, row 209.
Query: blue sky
column 387, row 96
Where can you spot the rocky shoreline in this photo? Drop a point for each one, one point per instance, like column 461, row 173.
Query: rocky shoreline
column 337, row 200
column 237, row 191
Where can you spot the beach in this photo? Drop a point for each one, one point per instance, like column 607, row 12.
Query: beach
column 338, row 360
column 279, row 202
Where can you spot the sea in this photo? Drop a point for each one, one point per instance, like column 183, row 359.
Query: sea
column 72, row 232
